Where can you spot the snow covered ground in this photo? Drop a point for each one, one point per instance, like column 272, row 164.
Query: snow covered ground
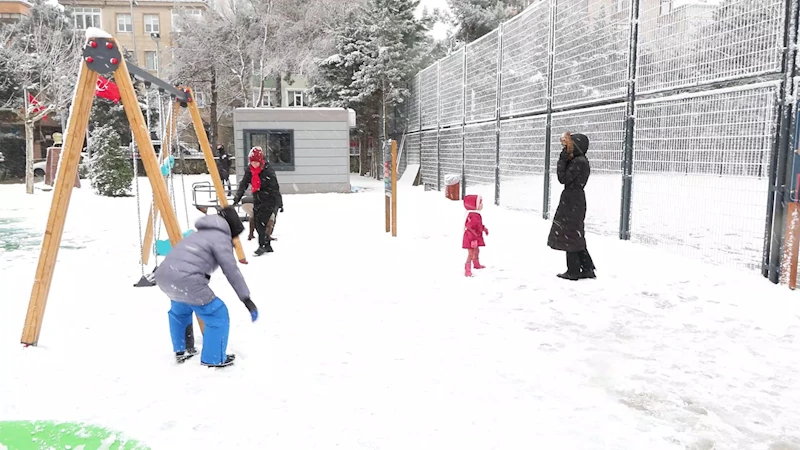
column 371, row 342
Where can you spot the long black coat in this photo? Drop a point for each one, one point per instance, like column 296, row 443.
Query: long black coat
column 269, row 196
column 567, row 233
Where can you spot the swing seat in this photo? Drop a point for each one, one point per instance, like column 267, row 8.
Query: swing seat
column 163, row 246
column 167, row 166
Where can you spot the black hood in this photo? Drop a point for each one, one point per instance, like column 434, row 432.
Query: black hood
column 581, row 144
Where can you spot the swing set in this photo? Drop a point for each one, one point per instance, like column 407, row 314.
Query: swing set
column 102, row 55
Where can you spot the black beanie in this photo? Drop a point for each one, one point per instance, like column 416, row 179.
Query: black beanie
column 229, row 214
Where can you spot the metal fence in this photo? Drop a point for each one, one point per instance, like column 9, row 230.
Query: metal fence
column 681, row 99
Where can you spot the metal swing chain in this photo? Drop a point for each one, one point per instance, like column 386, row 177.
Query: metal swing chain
column 138, row 206
column 183, row 183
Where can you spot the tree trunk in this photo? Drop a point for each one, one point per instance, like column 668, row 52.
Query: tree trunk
column 29, row 155
column 279, row 91
column 213, row 113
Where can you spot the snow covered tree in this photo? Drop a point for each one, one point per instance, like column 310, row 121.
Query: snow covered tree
column 110, row 170
column 475, row 18
column 378, row 48
column 42, row 54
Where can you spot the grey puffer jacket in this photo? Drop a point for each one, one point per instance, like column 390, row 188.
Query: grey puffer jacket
column 182, row 275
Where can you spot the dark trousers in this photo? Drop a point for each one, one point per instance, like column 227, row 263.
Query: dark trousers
column 226, row 182
column 580, row 261
column 261, row 215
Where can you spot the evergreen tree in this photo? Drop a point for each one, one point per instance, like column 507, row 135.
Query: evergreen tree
column 111, row 171
column 475, row 18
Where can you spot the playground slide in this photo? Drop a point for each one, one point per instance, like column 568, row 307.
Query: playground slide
column 412, row 170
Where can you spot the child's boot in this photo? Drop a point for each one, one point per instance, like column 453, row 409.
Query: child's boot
column 477, row 264
column 468, row 270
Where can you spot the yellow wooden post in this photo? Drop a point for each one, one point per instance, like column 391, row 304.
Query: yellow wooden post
column 394, row 188
column 205, row 146
column 142, row 136
column 62, row 192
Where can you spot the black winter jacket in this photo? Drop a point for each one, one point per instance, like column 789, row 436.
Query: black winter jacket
column 270, row 193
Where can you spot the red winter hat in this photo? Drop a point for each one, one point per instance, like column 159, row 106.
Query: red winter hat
column 473, row 202
column 257, row 155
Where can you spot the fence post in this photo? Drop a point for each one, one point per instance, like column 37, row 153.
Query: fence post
column 438, row 125
column 498, row 97
column 549, row 124
column 630, row 126
column 780, row 170
column 463, row 126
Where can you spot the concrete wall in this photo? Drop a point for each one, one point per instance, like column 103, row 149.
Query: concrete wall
column 321, row 146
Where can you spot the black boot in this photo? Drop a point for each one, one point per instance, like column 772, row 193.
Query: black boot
column 228, row 362
column 587, row 265
column 573, row 272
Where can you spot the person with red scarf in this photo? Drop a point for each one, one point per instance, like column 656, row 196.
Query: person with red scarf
column 266, row 196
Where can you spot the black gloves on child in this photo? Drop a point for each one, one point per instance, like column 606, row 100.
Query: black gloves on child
column 251, row 307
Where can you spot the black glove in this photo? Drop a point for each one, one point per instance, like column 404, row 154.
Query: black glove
column 281, row 210
column 208, row 276
column 251, row 307
column 236, row 200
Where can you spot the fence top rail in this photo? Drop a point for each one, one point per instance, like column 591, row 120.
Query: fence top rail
column 483, row 38
column 431, row 67
column 578, row 109
column 707, row 93
column 542, row 116
column 525, row 12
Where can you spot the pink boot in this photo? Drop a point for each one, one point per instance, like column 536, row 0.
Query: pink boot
column 467, row 270
column 477, row 264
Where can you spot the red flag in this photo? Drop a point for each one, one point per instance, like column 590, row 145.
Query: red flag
column 37, row 107
column 107, row 89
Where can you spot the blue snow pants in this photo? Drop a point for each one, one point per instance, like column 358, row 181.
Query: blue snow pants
column 217, row 327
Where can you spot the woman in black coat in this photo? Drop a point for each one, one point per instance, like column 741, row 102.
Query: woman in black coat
column 567, row 233
column 224, row 167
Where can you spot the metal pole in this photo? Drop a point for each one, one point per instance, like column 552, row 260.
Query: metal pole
column 133, row 35
column 464, row 126
column 777, row 198
column 438, row 125
column 549, row 123
column 498, row 96
column 630, row 127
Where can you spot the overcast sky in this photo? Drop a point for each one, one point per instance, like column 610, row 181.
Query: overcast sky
column 440, row 30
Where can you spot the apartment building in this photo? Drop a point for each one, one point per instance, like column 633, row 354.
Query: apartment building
column 142, row 27
column 13, row 10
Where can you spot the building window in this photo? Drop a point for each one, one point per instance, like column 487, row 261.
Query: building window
column 151, row 23
column 151, row 61
column 181, row 14
column 665, row 7
column 278, row 146
column 86, row 17
column 124, row 23
column 296, row 98
column 267, row 100
column 200, row 99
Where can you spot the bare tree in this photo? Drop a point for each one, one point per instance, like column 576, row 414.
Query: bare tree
column 42, row 53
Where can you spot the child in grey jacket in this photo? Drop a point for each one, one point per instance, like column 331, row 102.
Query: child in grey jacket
column 184, row 276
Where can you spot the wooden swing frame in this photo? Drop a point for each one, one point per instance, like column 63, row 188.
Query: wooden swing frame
column 102, row 55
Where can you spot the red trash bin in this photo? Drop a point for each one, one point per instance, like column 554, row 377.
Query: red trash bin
column 452, row 186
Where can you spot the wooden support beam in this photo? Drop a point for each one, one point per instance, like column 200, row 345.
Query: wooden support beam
column 62, row 192
column 394, row 188
column 142, row 136
column 791, row 245
column 202, row 138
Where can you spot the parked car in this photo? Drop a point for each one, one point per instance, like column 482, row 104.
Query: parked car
column 40, row 167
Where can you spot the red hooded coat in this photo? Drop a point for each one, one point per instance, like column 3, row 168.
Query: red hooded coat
column 473, row 226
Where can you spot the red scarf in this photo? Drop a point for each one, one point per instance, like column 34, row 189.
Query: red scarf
column 256, row 178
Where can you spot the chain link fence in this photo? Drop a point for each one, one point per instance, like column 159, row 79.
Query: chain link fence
column 687, row 103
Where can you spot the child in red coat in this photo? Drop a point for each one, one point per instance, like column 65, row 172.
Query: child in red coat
column 473, row 233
